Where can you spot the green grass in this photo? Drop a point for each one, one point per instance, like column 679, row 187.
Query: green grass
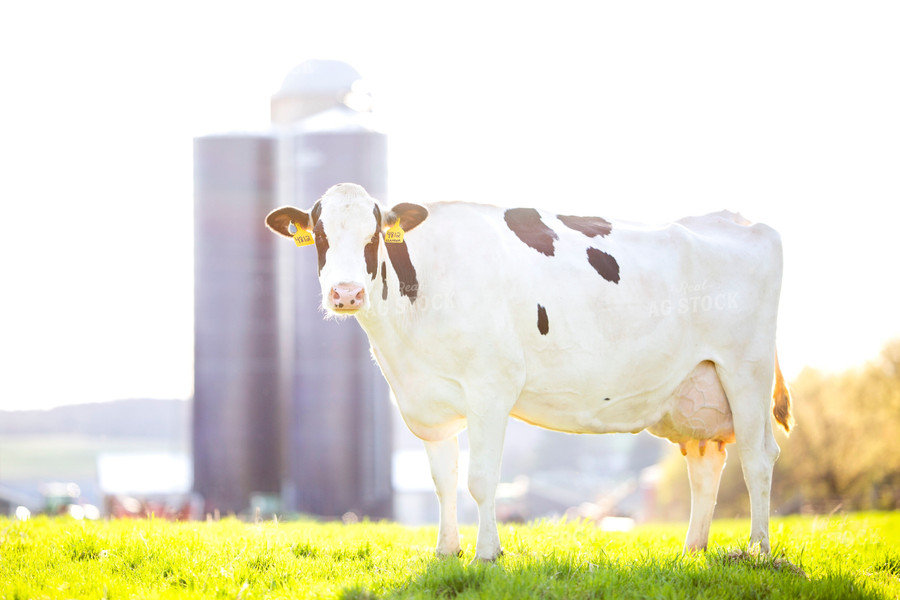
column 856, row 556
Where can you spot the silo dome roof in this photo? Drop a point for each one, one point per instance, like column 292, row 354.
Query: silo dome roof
column 319, row 77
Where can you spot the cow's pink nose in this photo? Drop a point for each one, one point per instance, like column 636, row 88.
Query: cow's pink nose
column 348, row 296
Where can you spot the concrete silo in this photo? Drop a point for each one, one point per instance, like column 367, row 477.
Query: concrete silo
column 285, row 403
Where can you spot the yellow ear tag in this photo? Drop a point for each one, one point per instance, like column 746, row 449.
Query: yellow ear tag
column 394, row 235
column 303, row 237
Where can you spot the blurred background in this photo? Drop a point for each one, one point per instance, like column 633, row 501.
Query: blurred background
column 162, row 353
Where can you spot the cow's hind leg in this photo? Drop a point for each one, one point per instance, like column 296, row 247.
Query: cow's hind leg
column 705, row 463
column 750, row 398
column 758, row 462
column 444, row 459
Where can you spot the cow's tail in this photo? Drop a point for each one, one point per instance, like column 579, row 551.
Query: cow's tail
column 781, row 396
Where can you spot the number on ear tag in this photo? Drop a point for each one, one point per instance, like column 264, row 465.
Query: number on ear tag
column 303, row 237
column 394, row 235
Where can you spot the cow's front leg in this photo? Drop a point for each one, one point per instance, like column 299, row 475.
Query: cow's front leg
column 444, row 458
column 486, row 435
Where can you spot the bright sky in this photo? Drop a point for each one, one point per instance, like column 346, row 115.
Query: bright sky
column 784, row 111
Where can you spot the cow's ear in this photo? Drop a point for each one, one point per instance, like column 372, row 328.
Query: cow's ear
column 409, row 215
column 280, row 219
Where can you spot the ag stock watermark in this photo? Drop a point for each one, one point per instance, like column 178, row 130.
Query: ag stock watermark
column 690, row 298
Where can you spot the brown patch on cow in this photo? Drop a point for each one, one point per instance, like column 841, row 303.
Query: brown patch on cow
column 543, row 324
column 371, row 254
column 605, row 265
column 315, row 212
column 403, row 267
column 589, row 226
column 526, row 223
column 321, row 243
column 781, row 394
column 383, row 281
column 377, row 212
column 371, row 250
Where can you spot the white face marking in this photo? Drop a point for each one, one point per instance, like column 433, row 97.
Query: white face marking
column 347, row 220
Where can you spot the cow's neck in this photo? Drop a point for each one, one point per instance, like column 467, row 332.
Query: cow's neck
column 393, row 294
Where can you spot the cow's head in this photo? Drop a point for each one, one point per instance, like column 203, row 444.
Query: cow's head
column 348, row 226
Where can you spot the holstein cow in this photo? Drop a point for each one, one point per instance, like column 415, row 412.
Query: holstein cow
column 476, row 313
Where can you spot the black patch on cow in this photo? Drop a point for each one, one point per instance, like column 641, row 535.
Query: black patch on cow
column 527, row 225
column 371, row 249
column 316, row 212
column 543, row 323
column 403, row 267
column 589, row 226
column 604, row 264
column 383, row 281
column 321, row 242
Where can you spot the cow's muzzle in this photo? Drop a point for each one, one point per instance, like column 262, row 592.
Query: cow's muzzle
column 347, row 297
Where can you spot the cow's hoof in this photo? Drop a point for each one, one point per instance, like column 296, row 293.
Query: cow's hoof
column 451, row 554
column 482, row 561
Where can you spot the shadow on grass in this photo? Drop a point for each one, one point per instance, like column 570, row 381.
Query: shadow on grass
column 714, row 575
column 765, row 562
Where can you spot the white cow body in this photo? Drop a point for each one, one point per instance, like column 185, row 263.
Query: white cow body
column 669, row 328
column 608, row 340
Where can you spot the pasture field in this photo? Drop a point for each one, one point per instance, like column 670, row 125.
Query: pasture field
column 842, row 556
